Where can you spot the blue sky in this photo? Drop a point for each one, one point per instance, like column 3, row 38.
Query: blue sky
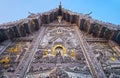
column 105, row 10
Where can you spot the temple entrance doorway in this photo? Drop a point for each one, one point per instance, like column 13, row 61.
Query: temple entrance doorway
column 59, row 50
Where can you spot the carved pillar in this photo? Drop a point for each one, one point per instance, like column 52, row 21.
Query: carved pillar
column 29, row 25
column 32, row 26
column 17, row 27
column 78, row 20
column 51, row 19
column 48, row 18
column 70, row 18
column 88, row 25
column 36, row 24
column 44, row 19
column 22, row 30
column 53, row 16
column 26, row 27
column 10, row 33
column 85, row 26
column 100, row 31
column 111, row 34
column 82, row 22
column 15, row 32
column 39, row 21
column 65, row 16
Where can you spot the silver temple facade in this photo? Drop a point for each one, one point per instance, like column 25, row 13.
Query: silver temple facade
column 59, row 44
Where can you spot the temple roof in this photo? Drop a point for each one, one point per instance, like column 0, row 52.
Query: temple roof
column 59, row 8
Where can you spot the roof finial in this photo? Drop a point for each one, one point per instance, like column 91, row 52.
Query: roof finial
column 60, row 6
column 60, row 2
